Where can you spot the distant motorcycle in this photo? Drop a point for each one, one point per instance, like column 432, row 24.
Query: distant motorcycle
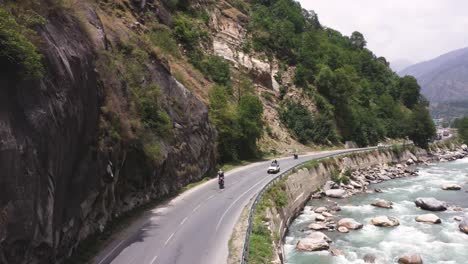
column 295, row 156
column 221, row 183
column 221, row 179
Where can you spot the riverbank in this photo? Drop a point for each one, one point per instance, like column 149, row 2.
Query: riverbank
column 383, row 203
column 284, row 201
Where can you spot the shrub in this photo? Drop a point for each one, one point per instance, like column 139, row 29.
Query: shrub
column 162, row 37
column 188, row 32
column 307, row 127
column 17, row 54
column 217, row 69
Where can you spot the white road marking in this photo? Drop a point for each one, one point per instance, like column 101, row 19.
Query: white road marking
column 183, row 221
column 167, row 241
column 210, row 197
column 232, row 204
column 112, row 251
column 154, row 259
column 196, row 208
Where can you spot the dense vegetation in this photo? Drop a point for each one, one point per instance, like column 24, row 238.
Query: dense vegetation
column 18, row 55
column 370, row 102
column 239, row 123
column 462, row 125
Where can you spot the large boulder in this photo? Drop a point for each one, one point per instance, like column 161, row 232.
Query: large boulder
column 335, row 193
column 316, row 241
column 410, row 258
column 385, row 221
column 350, row 224
column 428, row 218
column 451, row 187
column 464, row 225
column 383, row 204
column 430, row 204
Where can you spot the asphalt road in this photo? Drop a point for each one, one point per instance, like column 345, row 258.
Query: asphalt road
column 195, row 227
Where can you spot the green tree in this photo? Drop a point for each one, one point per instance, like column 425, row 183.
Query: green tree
column 357, row 39
column 462, row 126
column 409, row 91
column 421, row 129
column 249, row 112
column 223, row 116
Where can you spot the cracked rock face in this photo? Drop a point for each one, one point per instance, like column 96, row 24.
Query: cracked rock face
column 57, row 186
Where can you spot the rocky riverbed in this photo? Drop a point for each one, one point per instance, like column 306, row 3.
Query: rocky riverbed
column 406, row 213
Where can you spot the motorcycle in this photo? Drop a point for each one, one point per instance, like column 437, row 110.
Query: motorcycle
column 221, row 183
column 296, row 156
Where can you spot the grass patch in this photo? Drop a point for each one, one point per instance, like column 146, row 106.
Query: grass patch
column 261, row 238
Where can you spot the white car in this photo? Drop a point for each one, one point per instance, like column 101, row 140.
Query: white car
column 274, row 168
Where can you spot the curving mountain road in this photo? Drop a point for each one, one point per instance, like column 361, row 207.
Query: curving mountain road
column 195, row 227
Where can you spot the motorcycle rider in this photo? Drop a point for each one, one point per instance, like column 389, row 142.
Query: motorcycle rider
column 221, row 178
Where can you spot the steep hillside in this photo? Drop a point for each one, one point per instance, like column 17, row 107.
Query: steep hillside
column 444, row 78
column 107, row 105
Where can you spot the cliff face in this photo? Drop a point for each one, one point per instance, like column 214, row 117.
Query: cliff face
column 63, row 177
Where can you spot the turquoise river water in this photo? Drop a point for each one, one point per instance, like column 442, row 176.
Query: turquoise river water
column 437, row 244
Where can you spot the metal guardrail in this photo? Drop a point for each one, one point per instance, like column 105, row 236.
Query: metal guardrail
column 245, row 251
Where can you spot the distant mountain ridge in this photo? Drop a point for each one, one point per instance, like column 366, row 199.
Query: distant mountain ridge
column 444, row 78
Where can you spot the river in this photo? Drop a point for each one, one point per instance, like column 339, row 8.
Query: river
column 437, row 244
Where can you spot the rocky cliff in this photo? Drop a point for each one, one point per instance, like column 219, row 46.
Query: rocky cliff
column 73, row 152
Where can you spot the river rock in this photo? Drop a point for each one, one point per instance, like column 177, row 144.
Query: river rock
column 336, row 252
column 430, row 204
column 369, row 258
column 319, row 218
column 464, row 225
column 316, row 241
column 385, row 221
column 318, row 226
column 457, row 218
column 320, row 210
column 327, row 214
column 383, row 204
column 350, row 224
column 343, row 229
column 335, row 193
column 429, row 218
column 410, row 258
column 451, row 187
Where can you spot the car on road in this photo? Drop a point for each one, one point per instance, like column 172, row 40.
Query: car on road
column 274, row 168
